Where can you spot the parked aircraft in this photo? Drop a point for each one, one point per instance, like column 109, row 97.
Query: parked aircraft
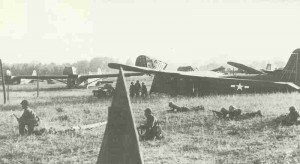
column 219, row 69
column 290, row 73
column 199, row 84
column 69, row 77
column 246, row 69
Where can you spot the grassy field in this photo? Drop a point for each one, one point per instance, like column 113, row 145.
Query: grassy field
column 192, row 137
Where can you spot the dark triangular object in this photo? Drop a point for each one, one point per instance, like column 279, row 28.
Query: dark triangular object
column 120, row 144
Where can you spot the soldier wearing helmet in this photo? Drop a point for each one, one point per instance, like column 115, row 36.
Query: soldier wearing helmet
column 131, row 89
column 28, row 118
column 231, row 112
column 144, row 90
column 292, row 117
column 137, row 86
column 152, row 128
column 234, row 113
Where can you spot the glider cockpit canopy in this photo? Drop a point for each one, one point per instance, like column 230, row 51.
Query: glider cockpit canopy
column 149, row 62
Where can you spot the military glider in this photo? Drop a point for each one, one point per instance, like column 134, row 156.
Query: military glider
column 245, row 68
column 201, row 84
column 69, row 77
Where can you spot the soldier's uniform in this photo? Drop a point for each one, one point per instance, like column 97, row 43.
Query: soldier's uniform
column 234, row 113
column 152, row 127
column 144, row 90
column 224, row 112
column 131, row 90
column 177, row 108
column 28, row 118
column 231, row 112
column 137, row 87
column 291, row 118
column 109, row 89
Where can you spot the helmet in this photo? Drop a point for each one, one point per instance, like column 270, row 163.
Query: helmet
column 148, row 111
column 223, row 110
column 231, row 108
column 292, row 108
column 25, row 102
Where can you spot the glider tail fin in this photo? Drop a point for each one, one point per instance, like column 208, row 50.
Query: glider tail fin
column 291, row 72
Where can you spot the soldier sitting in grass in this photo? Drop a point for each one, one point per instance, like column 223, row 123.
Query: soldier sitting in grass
column 152, row 128
column 28, row 118
column 291, row 118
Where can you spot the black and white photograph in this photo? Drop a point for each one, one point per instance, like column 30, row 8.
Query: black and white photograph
column 149, row 81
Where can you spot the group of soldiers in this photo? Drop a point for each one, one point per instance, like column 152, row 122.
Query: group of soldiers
column 137, row 89
column 152, row 129
column 235, row 114
column 29, row 121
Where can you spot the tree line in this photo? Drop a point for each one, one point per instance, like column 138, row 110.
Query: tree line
column 82, row 67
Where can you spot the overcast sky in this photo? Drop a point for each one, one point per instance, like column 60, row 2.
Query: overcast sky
column 185, row 31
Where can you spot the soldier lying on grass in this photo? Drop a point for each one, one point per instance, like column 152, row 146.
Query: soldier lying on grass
column 249, row 115
column 222, row 114
column 231, row 114
column 235, row 114
column 176, row 108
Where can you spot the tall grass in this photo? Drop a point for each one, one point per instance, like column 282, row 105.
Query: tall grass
column 192, row 137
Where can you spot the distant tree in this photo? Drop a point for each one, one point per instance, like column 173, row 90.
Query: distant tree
column 50, row 69
column 82, row 66
column 101, row 62
column 129, row 62
column 27, row 69
column 58, row 69
column 279, row 64
column 15, row 69
column 38, row 67
column 5, row 67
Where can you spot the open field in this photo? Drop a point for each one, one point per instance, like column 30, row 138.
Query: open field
column 192, row 137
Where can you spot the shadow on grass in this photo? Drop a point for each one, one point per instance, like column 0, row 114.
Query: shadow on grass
column 33, row 89
column 4, row 137
column 9, row 136
column 68, row 100
column 10, row 156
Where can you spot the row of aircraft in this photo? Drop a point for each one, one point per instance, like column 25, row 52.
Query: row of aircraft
column 200, row 83
column 192, row 83
column 69, row 77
